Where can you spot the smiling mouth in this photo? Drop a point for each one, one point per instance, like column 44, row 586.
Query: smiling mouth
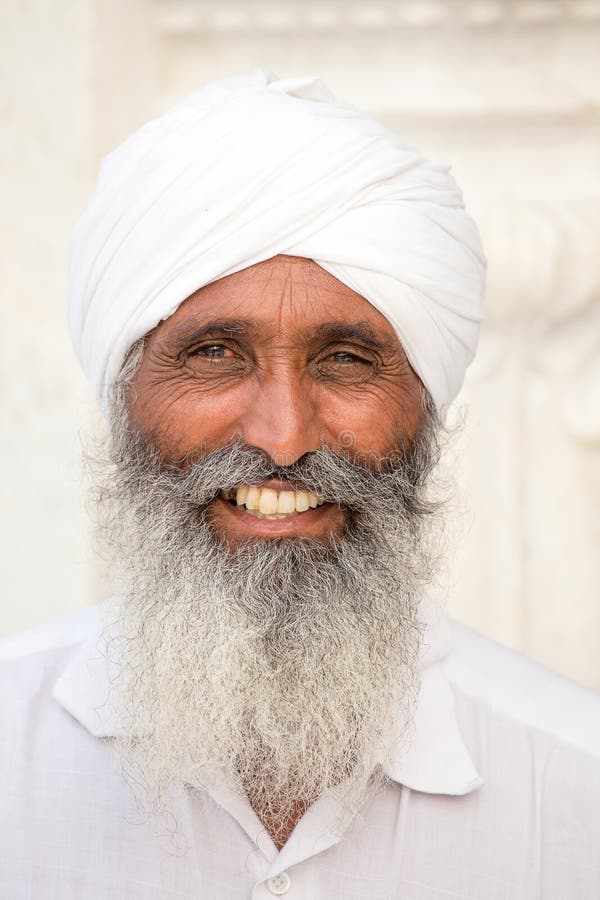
column 267, row 503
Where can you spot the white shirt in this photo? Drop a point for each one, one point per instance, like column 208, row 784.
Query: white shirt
column 496, row 798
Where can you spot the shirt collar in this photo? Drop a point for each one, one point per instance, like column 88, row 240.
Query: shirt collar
column 432, row 759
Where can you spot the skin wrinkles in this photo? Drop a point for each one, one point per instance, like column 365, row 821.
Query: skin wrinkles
column 284, row 357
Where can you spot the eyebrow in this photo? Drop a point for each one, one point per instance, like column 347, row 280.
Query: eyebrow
column 186, row 334
column 353, row 331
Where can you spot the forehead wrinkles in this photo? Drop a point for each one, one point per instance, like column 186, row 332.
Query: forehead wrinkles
column 283, row 296
column 295, row 294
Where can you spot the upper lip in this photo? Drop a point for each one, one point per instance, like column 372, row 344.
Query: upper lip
column 278, row 485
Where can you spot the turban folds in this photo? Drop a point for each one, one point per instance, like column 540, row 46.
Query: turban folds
column 250, row 167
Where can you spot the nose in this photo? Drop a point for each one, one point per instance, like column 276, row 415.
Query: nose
column 282, row 419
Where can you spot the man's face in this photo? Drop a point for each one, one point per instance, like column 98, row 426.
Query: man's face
column 283, row 357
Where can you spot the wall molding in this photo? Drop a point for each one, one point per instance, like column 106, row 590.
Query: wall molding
column 186, row 16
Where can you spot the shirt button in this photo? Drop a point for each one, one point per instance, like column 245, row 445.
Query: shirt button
column 279, row 884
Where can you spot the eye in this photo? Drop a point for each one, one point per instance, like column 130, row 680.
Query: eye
column 216, row 358
column 344, row 356
column 345, row 366
column 213, row 351
column 348, row 357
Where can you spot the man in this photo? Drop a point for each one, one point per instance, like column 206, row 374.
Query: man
column 275, row 300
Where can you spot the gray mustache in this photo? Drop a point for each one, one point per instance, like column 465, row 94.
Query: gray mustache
column 331, row 476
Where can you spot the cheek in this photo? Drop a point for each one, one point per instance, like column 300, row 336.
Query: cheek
column 371, row 421
column 178, row 417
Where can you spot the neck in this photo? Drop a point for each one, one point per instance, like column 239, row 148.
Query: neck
column 280, row 825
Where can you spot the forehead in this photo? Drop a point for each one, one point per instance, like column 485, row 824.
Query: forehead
column 282, row 295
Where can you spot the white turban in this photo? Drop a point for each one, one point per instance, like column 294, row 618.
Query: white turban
column 250, row 167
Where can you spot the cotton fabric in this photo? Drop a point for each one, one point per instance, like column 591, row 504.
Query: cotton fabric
column 250, row 167
column 497, row 797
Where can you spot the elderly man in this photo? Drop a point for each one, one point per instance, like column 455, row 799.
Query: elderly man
column 275, row 300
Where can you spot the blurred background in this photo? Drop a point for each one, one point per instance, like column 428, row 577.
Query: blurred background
column 508, row 92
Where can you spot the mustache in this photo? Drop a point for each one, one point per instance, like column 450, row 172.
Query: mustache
column 391, row 485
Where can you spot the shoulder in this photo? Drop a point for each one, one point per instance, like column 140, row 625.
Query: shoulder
column 33, row 714
column 504, row 684
column 534, row 737
column 32, row 661
column 52, row 637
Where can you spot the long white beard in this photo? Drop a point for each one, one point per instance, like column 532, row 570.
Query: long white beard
column 287, row 664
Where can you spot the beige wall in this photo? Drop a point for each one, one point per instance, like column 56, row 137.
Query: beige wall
column 509, row 92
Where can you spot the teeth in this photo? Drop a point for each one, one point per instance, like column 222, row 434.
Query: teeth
column 253, row 498
column 301, row 501
column 268, row 503
column 286, row 502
